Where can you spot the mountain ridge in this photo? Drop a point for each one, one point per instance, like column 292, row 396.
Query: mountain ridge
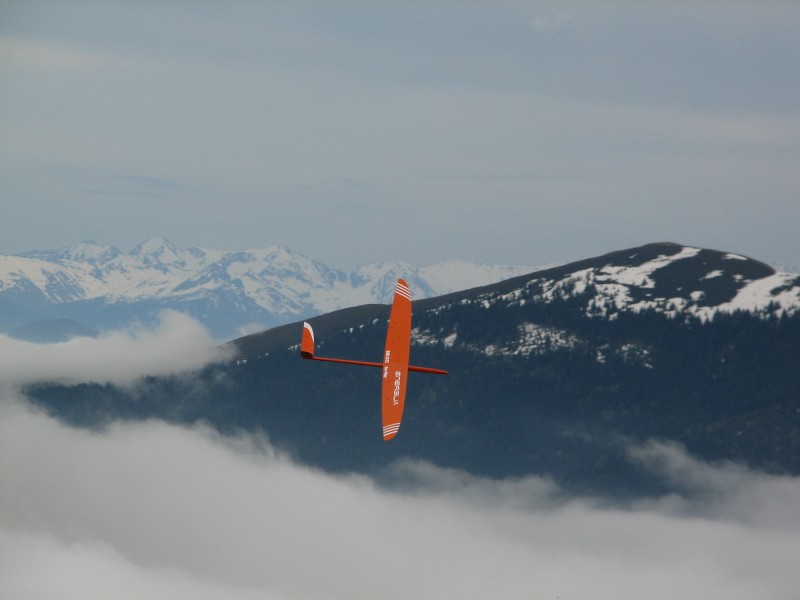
column 639, row 274
column 232, row 292
column 227, row 291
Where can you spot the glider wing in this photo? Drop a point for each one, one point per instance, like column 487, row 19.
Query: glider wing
column 395, row 360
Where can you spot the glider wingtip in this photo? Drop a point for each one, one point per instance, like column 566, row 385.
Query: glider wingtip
column 390, row 431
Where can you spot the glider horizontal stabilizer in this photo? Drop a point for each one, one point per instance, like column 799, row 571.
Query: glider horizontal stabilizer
column 307, row 351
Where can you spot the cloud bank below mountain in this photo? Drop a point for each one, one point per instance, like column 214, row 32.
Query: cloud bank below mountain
column 160, row 511
column 163, row 511
column 176, row 343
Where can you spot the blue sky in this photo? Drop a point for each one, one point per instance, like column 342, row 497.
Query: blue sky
column 497, row 132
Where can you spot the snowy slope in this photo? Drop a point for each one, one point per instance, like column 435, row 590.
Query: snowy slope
column 233, row 292
column 679, row 281
column 682, row 283
column 228, row 291
column 150, row 270
column 39, row 280
column 670, row 279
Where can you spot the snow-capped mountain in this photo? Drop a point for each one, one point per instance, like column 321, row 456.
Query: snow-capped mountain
column 103, row 287
column 678, row 281
column 682, row 283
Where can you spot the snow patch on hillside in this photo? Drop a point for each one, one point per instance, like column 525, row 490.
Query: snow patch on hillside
column 640, row 275
column 612, row 285
column 780, row 293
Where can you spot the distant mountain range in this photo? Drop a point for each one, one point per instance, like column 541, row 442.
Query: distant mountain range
column 89, row 286
column 555, row 372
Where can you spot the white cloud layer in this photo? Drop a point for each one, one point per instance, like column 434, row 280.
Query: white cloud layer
column 177, row 343
column 158, row 511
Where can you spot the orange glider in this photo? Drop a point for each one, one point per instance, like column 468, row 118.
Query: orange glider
column 395, row 359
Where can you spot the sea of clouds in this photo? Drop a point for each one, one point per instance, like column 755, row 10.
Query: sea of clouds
column 154, row 510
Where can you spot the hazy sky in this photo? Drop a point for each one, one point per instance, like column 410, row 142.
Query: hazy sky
column 497, row 132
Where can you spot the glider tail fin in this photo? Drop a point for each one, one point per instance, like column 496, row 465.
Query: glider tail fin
column 307, row 344
column 307, row 350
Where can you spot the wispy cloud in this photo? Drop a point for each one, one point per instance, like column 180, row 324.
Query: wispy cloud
column 552, row 21
column 152, row 183
column 48, row 55
column 163, row 511
column 726, row 491
column 133, row 186
column 176, row 343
